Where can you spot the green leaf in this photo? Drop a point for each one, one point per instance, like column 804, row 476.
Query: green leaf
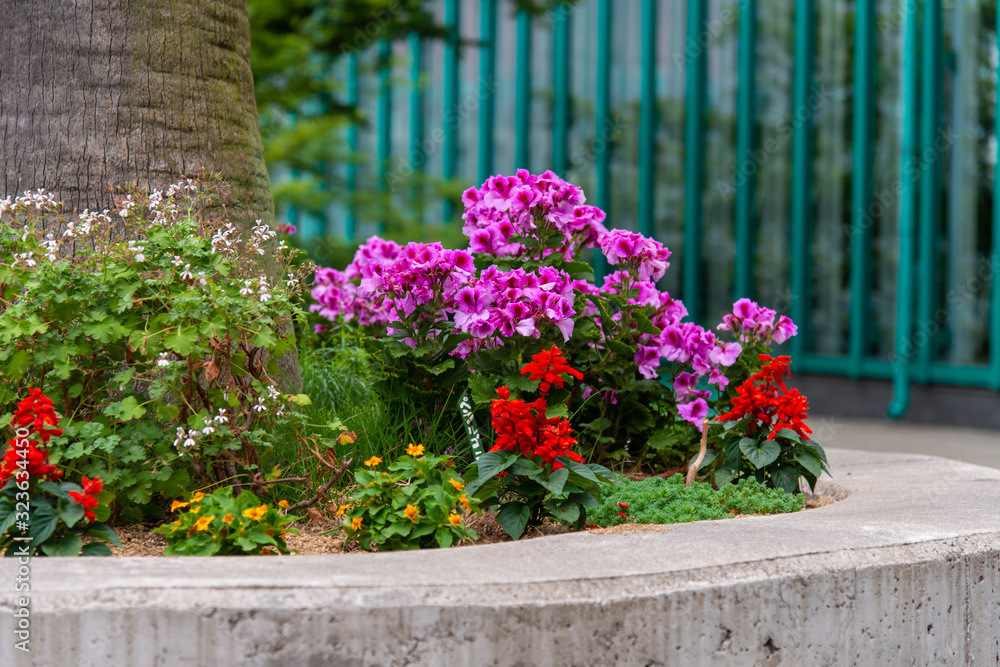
column 7, row 515
column 621, row 349
column 724, row 475
column 167, row 412
column 17, row 365
column 786, row 478
column 555, row 481
column 513, row 517
column 488, row 466
column 444, row 537
column 265, row 338
column 482, row 388
column 96, row 549
column 130, row 409
column 789, row 434
column 43, row 522
column 567, row 511
column 663, row 438
column 809, row 461
column 760, row 454
column 182, row 340
column 124, row 377
column 645, row 326
column 70, row 513
column 69, row 545
column 301, row 399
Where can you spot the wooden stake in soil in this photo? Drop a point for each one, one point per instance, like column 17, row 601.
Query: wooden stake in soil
column 693, row 469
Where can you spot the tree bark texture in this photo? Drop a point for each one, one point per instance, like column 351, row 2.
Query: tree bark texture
column 96, row 94
column 99, row 94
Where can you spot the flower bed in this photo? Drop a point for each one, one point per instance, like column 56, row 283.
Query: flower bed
column 161, row 316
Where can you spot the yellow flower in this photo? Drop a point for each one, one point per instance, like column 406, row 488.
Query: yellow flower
column 195, row 510
column 282, row 504
column 228, row 519
column 356, row 523
column 202, row 523
column 415, row 450
column 455, row 520
column 197, row 497
column 373, row 461
column 342, row 509
column 457, row 484
column 411, row 512
column 465, row 502
column 177, row 523
column 255, row 513
column 176, row 505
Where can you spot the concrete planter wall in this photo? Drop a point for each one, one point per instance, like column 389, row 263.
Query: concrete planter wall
column 904, row 571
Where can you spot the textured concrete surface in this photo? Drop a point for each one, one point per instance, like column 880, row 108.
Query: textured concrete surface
column 903, row 571
column 971, row 445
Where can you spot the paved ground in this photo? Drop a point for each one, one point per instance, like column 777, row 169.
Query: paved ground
column 978, row 446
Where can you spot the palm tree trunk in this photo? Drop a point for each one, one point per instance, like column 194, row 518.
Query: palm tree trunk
column 97, row 94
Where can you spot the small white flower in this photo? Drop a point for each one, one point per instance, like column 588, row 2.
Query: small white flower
column 274, row 393
column 208, row 430
column 194, row 434
column 186, row 273
column 177, row 261
column 260, row 407
column 221, row 418
column 189, row 443
column 264, row 298
column 163, row 361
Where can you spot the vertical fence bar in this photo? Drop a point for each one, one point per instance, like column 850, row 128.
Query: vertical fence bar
column 995, row 241
column 647, row 121
column 487, row 75
column 351, row 170
column 862, row 181
column 384, row 144
column 560, row 88
column 802, row 175
column 417, row 156
column 746, row 121
column 930, row 178
column 522, row 103
column 602, row 121
column 449, row 118
column 904, row 288
column 694, row 154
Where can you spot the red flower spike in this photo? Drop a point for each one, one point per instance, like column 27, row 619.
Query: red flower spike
column 623, row 506
column 770, row 405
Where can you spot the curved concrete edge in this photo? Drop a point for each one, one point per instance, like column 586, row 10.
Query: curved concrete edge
column 906, row 570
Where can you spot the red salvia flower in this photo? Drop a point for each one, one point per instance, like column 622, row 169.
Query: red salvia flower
column 523, row 427
column 549, row 366
column 769, row 404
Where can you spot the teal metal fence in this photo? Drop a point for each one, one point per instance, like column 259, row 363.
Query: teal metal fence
column 834, row 159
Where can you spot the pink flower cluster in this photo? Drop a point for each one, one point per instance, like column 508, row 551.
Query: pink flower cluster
column 336, row 292
column 501, row 304
column 684, row 343
column 524, row 205
column 422, row 274
column 646, row 258
column 754, row 323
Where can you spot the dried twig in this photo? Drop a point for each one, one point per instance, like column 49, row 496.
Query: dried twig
column 693, row 470
column 323, row 489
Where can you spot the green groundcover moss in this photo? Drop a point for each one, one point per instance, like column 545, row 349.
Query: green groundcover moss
column 658, row 500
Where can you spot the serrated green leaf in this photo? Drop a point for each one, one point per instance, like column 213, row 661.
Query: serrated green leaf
column 181, row 340
column 17, row 365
